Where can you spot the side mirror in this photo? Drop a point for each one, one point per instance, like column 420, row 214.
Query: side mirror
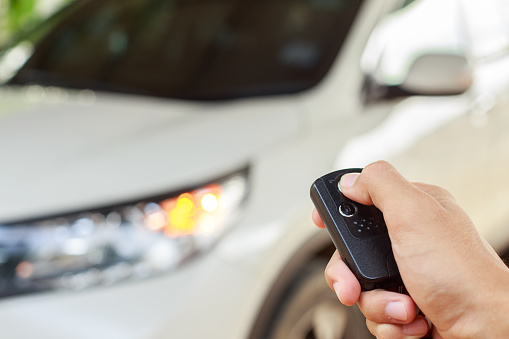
column 438, row 74
column 428, row 74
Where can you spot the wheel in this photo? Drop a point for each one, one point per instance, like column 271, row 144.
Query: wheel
column 310, row 310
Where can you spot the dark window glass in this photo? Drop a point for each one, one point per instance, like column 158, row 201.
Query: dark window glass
column 192, row 49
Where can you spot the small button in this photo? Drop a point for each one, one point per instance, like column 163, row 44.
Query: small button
column 347, row 209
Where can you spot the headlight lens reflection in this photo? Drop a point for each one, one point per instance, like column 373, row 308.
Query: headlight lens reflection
column 105, row 246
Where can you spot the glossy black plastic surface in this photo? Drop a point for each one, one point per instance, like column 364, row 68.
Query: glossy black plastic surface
column 358, row 232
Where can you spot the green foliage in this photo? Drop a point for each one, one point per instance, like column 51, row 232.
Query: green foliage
column 18, row 16
column 20, row 13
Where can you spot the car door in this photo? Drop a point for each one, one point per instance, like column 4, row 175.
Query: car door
column 455, row 140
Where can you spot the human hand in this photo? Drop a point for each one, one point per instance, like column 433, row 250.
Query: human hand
column 450, row 272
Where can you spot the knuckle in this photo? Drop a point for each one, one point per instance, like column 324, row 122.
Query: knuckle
column 384, row 331
column 371, row 327
column 328, row 270
column 441, row 191
column 332, row 268
column 377, row 167
column 436, row 192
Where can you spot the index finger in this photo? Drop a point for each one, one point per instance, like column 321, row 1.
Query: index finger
column 317, row 219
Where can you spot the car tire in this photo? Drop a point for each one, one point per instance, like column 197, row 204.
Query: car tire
column 310, row 310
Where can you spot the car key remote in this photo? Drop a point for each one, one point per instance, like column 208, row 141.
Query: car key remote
column 358, row 232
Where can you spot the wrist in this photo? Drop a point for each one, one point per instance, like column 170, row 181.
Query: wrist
column 485, row 315
column 495, row 317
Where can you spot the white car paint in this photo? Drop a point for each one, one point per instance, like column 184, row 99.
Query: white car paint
column 287, row 141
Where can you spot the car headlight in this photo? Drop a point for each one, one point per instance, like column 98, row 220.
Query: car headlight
column 128, row 241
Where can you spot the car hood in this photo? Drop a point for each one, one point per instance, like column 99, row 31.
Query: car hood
column 66, row 151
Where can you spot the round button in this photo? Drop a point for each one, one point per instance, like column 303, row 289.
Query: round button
column 347, row 209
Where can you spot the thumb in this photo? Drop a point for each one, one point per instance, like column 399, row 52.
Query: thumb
column 401, row 202
column 376, row 183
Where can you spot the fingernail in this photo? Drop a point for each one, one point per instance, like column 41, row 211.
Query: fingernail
column 396, row 310
column 336, row 289
column 418, row 327
column 348, row 179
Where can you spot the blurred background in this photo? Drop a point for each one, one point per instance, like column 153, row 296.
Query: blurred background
column 18, row 17
column 157, row 155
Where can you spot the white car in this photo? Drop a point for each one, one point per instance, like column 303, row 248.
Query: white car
column 157, row 158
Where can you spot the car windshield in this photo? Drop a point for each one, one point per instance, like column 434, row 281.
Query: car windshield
column 190, row 49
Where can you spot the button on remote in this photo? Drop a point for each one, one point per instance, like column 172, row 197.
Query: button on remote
column 347, row 209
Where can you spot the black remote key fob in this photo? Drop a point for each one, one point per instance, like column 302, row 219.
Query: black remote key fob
column 358, row 232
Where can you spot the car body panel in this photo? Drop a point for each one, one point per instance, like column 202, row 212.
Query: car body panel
column 119, row 149
column 138, row 146
column 287, row 140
